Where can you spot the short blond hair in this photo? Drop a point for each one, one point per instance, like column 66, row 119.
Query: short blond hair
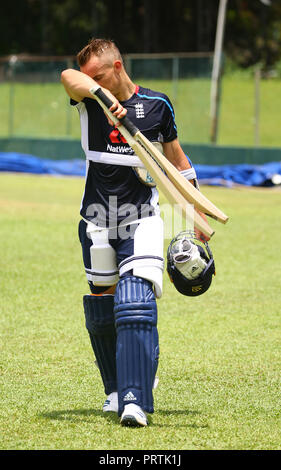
column 98, row 47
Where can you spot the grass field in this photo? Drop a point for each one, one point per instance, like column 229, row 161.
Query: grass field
column 220, row 359
column 42, row 110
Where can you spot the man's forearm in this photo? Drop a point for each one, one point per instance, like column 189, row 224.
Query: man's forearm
column 77, row 84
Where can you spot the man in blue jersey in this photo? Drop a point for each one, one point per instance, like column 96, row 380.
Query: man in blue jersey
column 121, row 231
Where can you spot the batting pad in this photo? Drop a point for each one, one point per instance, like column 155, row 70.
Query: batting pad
column 100, row 324
column 137, row 342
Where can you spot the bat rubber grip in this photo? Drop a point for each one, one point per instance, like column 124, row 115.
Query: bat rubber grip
column 104, row 98
column 126, row 122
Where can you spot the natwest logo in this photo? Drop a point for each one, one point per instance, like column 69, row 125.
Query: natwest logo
column 116, row 137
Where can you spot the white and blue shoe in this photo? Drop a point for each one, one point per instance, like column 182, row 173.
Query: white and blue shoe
column 133, row 415
column 111, row 403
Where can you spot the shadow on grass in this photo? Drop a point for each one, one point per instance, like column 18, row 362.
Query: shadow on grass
column 78, row 415
column 83, row 413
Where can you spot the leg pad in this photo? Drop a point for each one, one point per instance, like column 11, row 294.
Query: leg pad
column 137, row 342
column 100, row 324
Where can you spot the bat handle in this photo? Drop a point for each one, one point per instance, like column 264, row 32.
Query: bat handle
column 103, row 97
column 125, row 121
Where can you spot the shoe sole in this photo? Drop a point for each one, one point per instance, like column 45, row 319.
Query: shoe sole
column 130, row 420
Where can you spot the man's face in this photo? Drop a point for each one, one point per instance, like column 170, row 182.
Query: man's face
column 103, row 72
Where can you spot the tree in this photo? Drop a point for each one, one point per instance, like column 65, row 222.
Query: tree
column 253, row 32
column 52, row 27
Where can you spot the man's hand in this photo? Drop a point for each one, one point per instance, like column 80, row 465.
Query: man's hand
column 117, row 110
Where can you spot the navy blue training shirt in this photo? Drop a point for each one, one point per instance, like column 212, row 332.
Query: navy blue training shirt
column 111, row 188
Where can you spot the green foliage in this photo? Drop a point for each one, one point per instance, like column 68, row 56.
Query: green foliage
column 219, row 364
column 252, row 32
column 64, row 27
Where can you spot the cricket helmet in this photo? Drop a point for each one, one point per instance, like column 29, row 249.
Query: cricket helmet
column 190, row 264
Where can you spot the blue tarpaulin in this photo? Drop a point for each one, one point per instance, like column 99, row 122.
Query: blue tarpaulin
column 240, row 174
column 219, row 175
column 24, row 163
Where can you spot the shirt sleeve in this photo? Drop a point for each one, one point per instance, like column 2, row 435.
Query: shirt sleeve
column 168, row 124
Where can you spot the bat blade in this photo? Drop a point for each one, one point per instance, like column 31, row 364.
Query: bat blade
column 176, row 199
column 192, row 195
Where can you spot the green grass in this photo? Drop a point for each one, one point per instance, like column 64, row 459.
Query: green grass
column 42, row 110
column 237, row 114
column 220, row 361
column 37, row 110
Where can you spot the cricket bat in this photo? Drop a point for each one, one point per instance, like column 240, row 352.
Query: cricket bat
column 154, row 167
column 186, row 188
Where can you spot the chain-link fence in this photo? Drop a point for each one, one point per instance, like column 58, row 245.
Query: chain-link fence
column 35, row 104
